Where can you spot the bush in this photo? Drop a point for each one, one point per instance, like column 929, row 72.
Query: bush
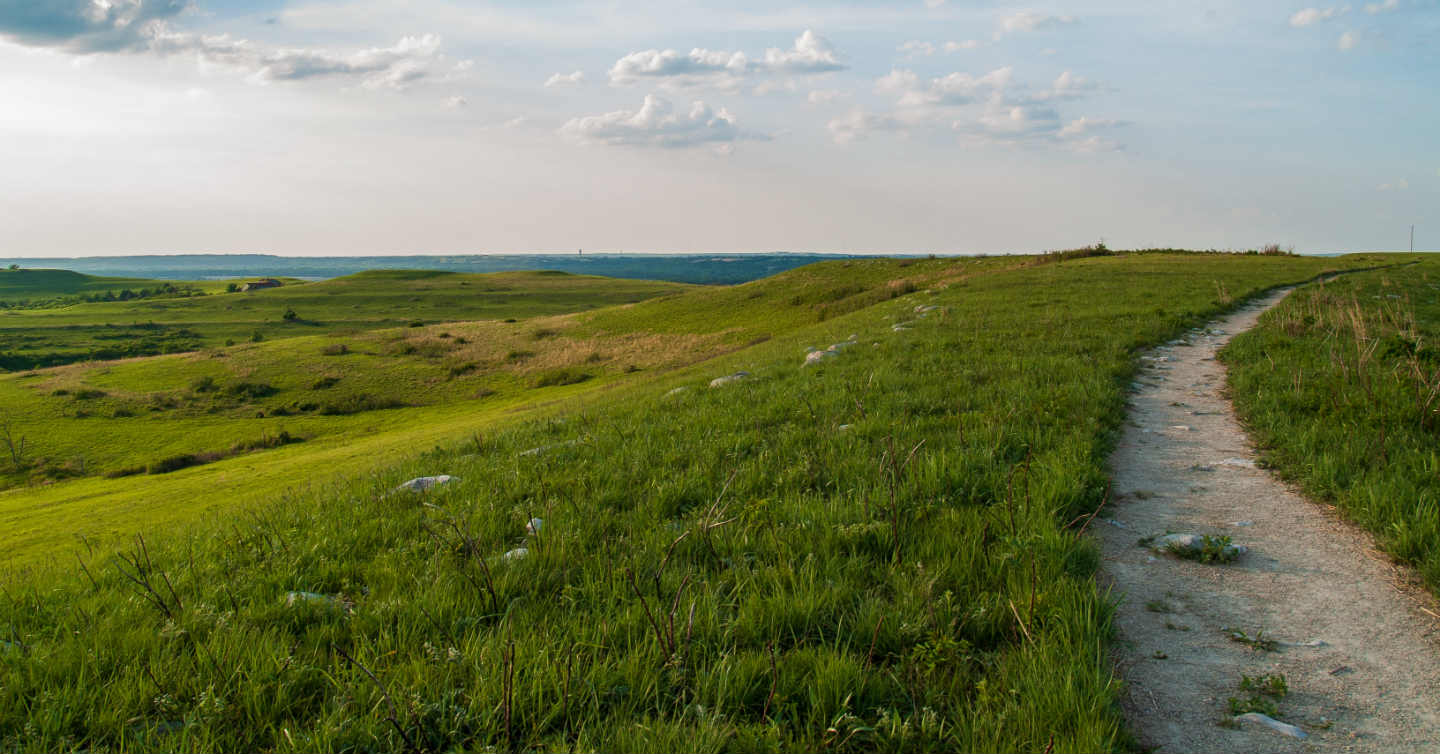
column 557, row 377
column 339, row 349
column 252, row 390
column 325, row 383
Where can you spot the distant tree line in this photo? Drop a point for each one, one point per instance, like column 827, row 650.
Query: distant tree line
column 165, row 290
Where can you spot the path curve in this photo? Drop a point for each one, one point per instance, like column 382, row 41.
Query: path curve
column 1185, row 465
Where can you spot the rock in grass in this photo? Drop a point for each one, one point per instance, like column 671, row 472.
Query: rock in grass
column 677, row 391
column 1198, row 547
column 1272, row 724
column 295, row 599
column 519, row 553
column 729, row 378
column 547, row 448
column 534, row 526
column 421, row 484
column 812, row 358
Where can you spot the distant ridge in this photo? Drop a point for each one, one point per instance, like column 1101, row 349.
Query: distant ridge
column 714, row 269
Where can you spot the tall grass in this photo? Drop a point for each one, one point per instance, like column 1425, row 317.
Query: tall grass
column 883, row 553
column 1340, row 385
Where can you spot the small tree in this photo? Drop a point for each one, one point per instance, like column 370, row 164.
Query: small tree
column 14, row 266
column 232, row 288
column 290, row 315
column 14, row 446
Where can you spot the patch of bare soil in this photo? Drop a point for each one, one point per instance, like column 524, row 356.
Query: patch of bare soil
column 1312, row 600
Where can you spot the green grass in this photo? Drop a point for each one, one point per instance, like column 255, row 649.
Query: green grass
column 39, row 337
column 38, row 287
column 1339, row 385
column 718, row 569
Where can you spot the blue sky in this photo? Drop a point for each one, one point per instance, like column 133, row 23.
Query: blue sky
column 425, row 126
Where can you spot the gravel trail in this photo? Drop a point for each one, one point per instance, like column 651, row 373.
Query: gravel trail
column 1358, row 640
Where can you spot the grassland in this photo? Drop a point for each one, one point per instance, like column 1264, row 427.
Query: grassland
column 880, row 553
column 54, row 335
column 1340, row 386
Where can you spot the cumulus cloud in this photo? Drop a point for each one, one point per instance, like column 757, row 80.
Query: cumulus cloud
column 1067, row 86
column 823, row 96
column 657, row 124
column 1382, row 7
column 456, row 102
column 1029, row 20
column 565, row 79
column 859, row 123
column 396, row 67
column 949, row 90
column 811, row 54
column 919, row 48
column 1310, row 16
column 86, row 26
column 1348, row 41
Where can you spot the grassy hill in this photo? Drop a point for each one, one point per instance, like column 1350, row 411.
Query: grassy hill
column 51, row 336
column 879, row 552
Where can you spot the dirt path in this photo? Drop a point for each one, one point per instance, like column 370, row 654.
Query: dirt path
column 1185, row 465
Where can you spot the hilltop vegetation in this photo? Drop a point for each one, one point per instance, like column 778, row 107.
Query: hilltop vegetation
column 41, row 337
column 1340, row 385
column 882, row 552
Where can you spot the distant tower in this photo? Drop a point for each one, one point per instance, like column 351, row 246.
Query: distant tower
column 582, row 251
column 1412, row 237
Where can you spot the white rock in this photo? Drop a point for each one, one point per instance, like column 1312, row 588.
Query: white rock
column 1192, row 543
column 548, row 448
column 293, row 599
column 1273, row 724
column 534, row 526
column 844, row 427
column 814, row 357
column 518, row 553
column 729, row 378
column 421, row 484
column 1243, row 463
column 677, row 391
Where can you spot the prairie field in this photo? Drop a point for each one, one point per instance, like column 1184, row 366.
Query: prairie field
column 879, row 549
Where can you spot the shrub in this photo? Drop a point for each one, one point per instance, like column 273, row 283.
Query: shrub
column 325, row 383
column 252, row 390
column 556, row 377
column 339, row 349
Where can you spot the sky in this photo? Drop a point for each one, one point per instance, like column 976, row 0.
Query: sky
column 359, row 127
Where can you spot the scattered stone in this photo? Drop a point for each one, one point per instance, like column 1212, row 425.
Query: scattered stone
column 1190, row 545
column 901, row 326
column 677, row 391
column 1182, row 428
column 1243, row 523
column 1273, row 724
column 547, row 448
column 1312, row 644
column 421, row 484
column 1342, row 670
column 814, row 357
column 519, row 553
column 1202, row 467
column 728, row 379
column 925, row 308
column 845, row 427
column 294, row 599
column 1243, row 463
column 1118, row 524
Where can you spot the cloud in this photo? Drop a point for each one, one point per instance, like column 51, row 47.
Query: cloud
column 1311, row 16
column 1399, row 185
column 86, row 26
column 949, row 90
column 656, row 124
column 811, row 54
column 918, row 48
column 823, row 96
column 1029, row 20
column 565, row 79
column 1067, row 86
column 859, row 123
column 932, row 4
column 1348, row 41
column 456, row 102
column 396, row 67
column 1382, row 7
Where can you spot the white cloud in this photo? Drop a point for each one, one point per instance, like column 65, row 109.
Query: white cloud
column 811, row 54
column 86, row 26
column 824, row 96
column 456, row 102
column 932, row 4
column 1067, row 86
column 859, row 123
column 1348, row 41
column 949, row 90
column 397, row 67
column 1399, row 185
column 565, row 79
column 916, row 48
column 1382, row 7
column 656, row 124
column 964, row 44
column 1310, row 16
column 1029, row 20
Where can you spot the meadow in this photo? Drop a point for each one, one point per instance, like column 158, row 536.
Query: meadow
column 1340, row 386
column 883, row 551
column 46, row 325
